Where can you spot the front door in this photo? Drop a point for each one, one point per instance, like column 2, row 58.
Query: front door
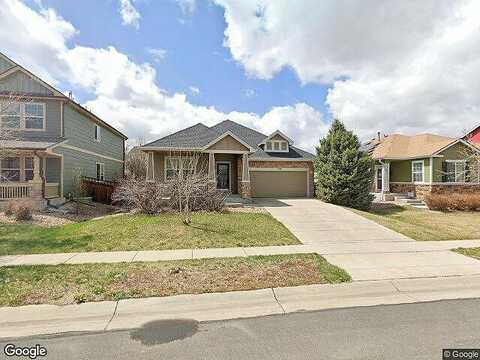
column 223, row 176
column 379, row 178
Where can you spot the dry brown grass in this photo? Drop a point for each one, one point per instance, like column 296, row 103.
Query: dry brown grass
column 66, row 284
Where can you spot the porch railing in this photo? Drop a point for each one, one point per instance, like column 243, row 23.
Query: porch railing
column 15, row 190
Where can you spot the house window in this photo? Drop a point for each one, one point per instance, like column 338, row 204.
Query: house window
column 172, row 169
column 455, row 171
column 23, row 116
column 276, row 146
column 34, row 116
column 176, row 166
column 100, row 171
column 11, row 116
column 28, row 168
column 10, row 169
column 417, row 171
column 98, row 135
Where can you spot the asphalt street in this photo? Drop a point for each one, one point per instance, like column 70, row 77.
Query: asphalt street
column 411, row 331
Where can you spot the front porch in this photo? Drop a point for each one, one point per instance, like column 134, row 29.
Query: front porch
column 227, row 169
column 35, row 175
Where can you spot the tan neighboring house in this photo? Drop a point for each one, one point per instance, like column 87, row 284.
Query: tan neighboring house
column 239, row 159
column 424, row 163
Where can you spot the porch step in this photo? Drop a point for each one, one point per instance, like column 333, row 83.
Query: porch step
column 419, row 206
column 409, row 201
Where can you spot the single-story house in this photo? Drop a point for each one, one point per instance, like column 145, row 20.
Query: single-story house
column 238, row 159
column 424, row 163
column 48, row 140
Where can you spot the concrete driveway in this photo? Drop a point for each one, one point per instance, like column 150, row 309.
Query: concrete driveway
column 367, row 250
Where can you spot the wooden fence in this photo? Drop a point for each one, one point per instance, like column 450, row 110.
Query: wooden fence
column 99, row 190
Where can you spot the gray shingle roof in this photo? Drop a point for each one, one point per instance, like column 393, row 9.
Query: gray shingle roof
column 199, row 135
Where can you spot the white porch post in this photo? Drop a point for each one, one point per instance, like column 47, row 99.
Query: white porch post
column 245, row 189
column 37, row 184
column 212, row 176
column 386, row 177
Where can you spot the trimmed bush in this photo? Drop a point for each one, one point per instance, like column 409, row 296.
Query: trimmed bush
column 21, row 209
column 444, row 202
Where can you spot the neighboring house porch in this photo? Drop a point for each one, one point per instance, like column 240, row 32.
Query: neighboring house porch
column 422, row 164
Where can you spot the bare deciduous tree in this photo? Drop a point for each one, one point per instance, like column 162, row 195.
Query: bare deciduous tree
column 466, row 169
column 9, row 121
column 136, row 163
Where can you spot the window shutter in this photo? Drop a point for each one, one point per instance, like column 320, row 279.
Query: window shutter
column 467, row 171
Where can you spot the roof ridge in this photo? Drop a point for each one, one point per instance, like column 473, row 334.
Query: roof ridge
column 243, row 126
column 177, row 132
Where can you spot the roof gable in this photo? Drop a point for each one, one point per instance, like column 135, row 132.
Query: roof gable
column 277, row 135
column 228, row 142
column 16, row 79
column 5, row 63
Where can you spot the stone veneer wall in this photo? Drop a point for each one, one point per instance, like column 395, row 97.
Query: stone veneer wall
column 421, row 190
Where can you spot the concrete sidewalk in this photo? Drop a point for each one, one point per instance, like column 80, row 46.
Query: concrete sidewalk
column 150, row 255
column 132, row 313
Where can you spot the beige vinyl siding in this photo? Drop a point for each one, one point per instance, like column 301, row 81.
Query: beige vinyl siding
column 80, row 132
column 228, row 143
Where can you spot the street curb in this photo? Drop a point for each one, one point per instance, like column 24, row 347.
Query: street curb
column 132, row 313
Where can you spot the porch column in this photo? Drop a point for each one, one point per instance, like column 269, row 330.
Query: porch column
column 386, row 177
column 37, row 184
column 212, row 176
column 245, row 183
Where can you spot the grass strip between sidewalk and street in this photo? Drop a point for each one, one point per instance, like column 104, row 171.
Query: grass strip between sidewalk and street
column 471, row 252
column 421, row 224
column 67, row 284
column 147, row 232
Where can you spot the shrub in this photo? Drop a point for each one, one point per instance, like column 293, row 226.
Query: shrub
column 21, row 209
column 145, row 196
column 448, row 202
column 10, row 208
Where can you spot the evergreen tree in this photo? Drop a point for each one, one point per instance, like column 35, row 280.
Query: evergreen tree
column 344, row 173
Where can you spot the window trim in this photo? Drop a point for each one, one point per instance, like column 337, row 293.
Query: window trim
column 97, row 133
column 102, row 171
column 19, row 169
column 464, row 162
column 279, row 142
column 23, row 117
column 423, row 170
column 180, row 166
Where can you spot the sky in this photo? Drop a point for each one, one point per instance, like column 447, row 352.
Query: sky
column 151, row 67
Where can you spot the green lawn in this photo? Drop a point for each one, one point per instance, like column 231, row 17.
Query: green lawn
column 144, row 232
column 67, row 284
column 421, row 224
column 472, row 252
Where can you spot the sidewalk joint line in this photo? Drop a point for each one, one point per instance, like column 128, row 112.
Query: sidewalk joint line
column 278, row 302
column 244, row 251
column 70, row 258
column 403, row 292
column 134, row 256
column 113, row 315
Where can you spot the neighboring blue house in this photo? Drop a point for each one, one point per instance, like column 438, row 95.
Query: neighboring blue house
column 47, row 139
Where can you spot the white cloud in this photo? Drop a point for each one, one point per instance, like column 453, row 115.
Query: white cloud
column 125, row 93
column 158, row 54
column 249, row 93
column 187, row 6
column 398, row 66
column 130, row 15
column 194, row 90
